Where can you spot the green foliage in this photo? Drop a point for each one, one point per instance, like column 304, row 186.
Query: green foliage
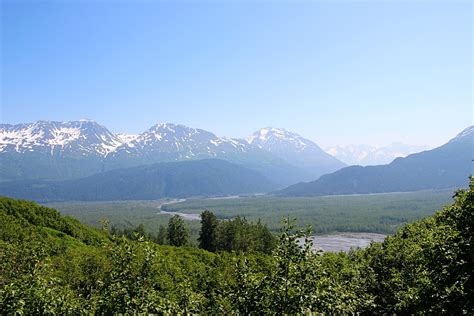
column 376, row 213
column 207, row 235
column 161, row 236
column 427, row 266
column 51, row 264
column 294, row 277
column 383, row 213
column 239, row 235
column 177, row 233
column 124, row 216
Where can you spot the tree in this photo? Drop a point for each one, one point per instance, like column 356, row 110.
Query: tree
column 177, row 233
column 294, row 276
column 265, row 241
column 161, row 236
column 207, row 235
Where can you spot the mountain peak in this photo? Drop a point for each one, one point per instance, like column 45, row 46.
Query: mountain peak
column 272, row 136
column 63, row 138
column 294, row 149
column 275, row 134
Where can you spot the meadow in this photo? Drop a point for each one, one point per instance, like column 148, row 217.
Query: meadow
column 375, row 213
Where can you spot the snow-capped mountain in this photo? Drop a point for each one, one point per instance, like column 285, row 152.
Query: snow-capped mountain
column 82, row 137
column 172, row 142
column 280, row 140
column 176, row 142
column 296, row 150
column 64, row 150
column 366, row 155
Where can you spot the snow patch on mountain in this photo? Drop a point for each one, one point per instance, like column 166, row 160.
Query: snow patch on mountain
column 180, row 142
column 370, row 155
column 85, row 137
column 126, row 138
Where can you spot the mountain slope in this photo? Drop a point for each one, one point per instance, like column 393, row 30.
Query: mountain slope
column 295, row 150
column 207, row 177
column 54, row 150
column 447, row 166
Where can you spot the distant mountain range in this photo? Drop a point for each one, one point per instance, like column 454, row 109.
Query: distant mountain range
column 366, row 155
column 47, row 150
column 447, row 166
column 207, row 177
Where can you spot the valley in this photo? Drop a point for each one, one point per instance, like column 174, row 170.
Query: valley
column 236, row 158
column 372, row 213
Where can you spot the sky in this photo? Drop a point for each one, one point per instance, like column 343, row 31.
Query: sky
column 336, row 72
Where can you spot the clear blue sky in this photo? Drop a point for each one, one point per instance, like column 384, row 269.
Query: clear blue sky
column 336, row 72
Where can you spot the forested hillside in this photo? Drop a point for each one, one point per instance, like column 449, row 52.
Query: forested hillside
column 207, row 177
column 54, row 264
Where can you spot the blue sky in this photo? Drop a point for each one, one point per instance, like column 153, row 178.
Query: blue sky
column 337, row 72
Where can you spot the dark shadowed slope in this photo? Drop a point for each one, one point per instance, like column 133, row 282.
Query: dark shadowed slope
column 447, row 166
column 209, row 177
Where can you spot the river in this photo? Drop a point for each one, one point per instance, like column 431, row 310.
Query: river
column 188, row 217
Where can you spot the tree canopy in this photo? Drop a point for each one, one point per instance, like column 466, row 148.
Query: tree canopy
column 50, row 264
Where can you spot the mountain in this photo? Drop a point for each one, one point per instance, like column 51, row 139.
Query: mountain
column 366, row 155
column 172, row 142
column 295, row 150
column 66, row 150
column 73, row 138
column 208, row 177
column 54, row 150
column 448, row 166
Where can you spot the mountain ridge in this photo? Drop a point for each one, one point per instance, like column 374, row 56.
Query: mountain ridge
column 446, row 166
column 52, row 150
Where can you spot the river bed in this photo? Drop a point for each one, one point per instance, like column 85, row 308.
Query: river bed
column 188, row 217
column 345, row 241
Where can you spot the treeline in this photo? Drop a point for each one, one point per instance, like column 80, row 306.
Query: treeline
column 51, row 264
column 384, row 213
column 236, row 234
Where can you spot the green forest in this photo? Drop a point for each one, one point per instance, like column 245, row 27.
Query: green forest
column 53, row 264
column 375, row 213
